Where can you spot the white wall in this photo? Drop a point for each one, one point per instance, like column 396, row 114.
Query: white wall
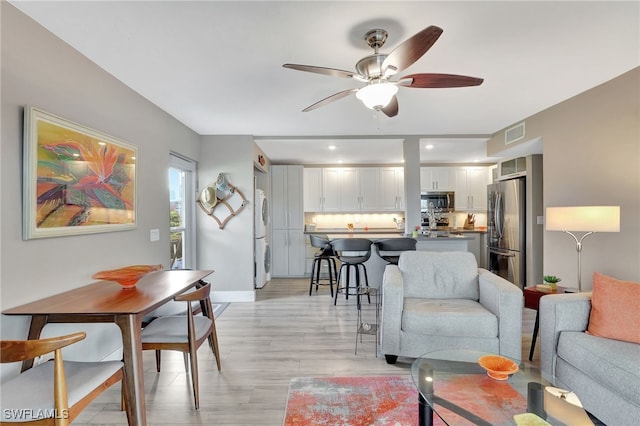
column 40, row 70
column 228, row 251
column 592, row 157
column 411, row 154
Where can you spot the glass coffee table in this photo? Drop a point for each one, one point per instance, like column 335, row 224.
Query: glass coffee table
column 454, row 387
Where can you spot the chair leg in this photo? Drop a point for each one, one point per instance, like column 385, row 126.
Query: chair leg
column 347, row 282
column 193, row 357
column 338, row 284
column 358, row 288
column 331, row 262
column 313, row 269
column 157, row 360
column 213, row 343
column 318, row 269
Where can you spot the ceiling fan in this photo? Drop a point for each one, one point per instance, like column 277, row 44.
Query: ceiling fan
column 377, row 71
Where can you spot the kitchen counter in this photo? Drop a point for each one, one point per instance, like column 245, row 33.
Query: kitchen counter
column 361, row 233
column 443, row 237
column 375, row 235
column 358, row 231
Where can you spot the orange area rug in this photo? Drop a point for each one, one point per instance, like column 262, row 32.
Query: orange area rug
column 356, row 401
column 393, row 400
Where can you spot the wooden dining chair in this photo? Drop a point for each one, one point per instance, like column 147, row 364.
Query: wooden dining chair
column 52, row 393
column 174, row 308
column 185, row 333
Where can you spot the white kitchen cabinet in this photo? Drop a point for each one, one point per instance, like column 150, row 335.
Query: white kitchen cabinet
column 331, row 178
column 471, row 188
column 353, row 189
column 287, row 253
column 312, row 189
column 349, row 190
column 358, row 189
column 287, row 219
column 368, row 189
column 437, row 179
column 391, row 189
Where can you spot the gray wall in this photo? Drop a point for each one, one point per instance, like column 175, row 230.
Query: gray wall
column 591, row 146
column 228, row 251
column 40, row 70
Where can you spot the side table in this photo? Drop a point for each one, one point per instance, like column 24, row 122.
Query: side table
column 532, row 301
column 373, row 295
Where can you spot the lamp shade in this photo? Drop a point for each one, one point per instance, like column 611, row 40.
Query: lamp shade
column 377, row 96
column 583, row 218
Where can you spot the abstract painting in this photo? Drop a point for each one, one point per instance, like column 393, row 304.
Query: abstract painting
column 76, row 180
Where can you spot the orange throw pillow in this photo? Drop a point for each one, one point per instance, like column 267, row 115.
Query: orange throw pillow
column 615, row 309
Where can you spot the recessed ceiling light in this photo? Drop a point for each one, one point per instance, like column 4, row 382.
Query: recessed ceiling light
column 332, row 147
column 340, row 161
column 476, row 161
column 429, row 146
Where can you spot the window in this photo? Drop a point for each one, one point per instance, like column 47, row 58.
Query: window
column 182, row 189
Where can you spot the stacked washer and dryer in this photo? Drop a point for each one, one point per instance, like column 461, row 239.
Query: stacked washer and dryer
column 262, row 250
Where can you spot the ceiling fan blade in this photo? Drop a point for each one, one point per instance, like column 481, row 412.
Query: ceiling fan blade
column 411, row 49
column 391, row 110
column 330, row 99
column 439, row 80
column 321, row 70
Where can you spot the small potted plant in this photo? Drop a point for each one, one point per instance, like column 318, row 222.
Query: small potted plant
column 552, row 280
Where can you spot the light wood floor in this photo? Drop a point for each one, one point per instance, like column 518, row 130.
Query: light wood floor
column 284, row 334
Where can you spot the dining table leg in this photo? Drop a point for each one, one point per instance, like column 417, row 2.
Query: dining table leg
column 35, row 329
column 130, row 327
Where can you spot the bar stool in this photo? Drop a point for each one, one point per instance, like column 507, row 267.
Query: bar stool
column 390, row 249
column 326, row 254
column 352, row 254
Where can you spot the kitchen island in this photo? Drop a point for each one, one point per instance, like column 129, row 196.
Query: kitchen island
column 375, row 265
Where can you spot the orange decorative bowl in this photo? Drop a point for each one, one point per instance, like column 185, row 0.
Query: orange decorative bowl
column 498, row 367
column 128, row 276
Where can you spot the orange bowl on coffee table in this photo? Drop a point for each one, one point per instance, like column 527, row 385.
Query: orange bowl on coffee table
column 128, row 276
column 498, row 367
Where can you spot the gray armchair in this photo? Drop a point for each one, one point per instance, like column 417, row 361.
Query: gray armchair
column 435, row 301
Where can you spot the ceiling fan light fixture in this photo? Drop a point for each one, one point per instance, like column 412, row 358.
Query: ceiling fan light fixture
column 377, row 96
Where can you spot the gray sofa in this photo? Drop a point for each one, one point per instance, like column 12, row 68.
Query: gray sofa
column 604, row 373
column 441, row 300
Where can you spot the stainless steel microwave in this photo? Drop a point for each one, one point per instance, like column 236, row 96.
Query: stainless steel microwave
column 444, row 201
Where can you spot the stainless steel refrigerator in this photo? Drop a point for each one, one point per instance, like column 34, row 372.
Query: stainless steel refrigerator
column 506, row 230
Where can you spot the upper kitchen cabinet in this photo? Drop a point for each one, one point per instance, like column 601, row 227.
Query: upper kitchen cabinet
column 471, row 188
column 353, row 189
column 312, row 189
column 331, row 183
column 286, row 197
column 359, row 189
column 391, row 188
column 437, row 179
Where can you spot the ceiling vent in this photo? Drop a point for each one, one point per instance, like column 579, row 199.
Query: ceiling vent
column 514, row 134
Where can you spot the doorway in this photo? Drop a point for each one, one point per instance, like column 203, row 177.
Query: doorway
column 182, row 194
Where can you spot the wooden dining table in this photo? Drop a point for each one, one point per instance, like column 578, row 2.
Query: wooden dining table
column 108, row 302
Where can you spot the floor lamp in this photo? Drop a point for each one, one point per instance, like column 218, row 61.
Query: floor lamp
column 587, row 219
